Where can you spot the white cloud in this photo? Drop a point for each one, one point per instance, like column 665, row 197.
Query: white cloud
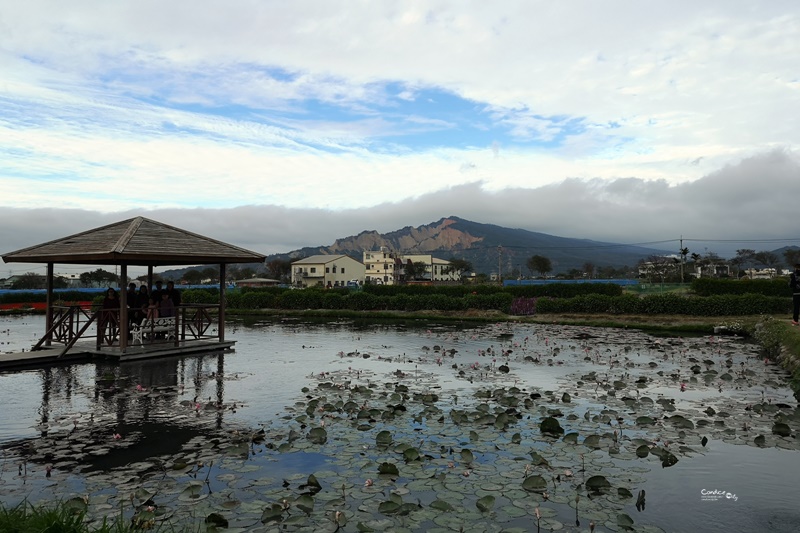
column 401, row 113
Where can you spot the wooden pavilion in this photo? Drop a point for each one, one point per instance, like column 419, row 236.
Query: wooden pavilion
column 135, row 242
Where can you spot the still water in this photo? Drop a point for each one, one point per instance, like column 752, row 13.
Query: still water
column 726, row 485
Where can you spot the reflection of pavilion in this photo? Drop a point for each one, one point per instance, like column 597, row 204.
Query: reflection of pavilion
column 140, row 242
column 153, row 421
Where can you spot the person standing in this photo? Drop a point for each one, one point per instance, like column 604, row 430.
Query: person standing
column 794, row 283
column 166, row 307
column 156, row 294
column 174, row 294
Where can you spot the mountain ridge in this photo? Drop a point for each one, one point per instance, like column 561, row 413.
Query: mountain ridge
column 486, row 246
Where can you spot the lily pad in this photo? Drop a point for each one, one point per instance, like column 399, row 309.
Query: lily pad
column 534, row 483
column 485, row 504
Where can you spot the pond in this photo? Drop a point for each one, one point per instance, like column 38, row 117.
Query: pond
column 392, row 426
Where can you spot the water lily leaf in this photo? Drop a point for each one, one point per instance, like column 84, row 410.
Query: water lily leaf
column 572, row 438
column 473, row 436
column 644, row 421
column 467, row 456
column 534, row 483
column 76, row 505
column 551, row 426
column 565, row 398
column 592, row 441
column 388, row 468
column 311, row 484
column 384, row 439
column 217, row 520
column 516, row 438
column 668, row 459
column 704, row 441
column 760, row 440
column 485, row 504
column 781, row 429
column 624, row 521
column 597, row 484
column 364, row 528
column 441, row 505
column 318, row 435
column 643, row 450
column 192, row 492
column 388, row 507
column 410, row 454
column 305, row 503
column 624, row 493
column 537, row 459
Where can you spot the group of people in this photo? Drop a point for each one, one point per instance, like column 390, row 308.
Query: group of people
column 144, row 304
column 161, row 302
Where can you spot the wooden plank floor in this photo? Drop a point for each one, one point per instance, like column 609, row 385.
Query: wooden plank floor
column 87, row 350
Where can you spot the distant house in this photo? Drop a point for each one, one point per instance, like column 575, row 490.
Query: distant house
column 389, row 268
column 257, row 282
column 436, row 270
column 326, row 271
column 383, row 267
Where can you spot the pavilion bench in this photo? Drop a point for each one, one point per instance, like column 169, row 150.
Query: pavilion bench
column 150, row 327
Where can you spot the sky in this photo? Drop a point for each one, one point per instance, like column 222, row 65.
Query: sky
column 276, row 125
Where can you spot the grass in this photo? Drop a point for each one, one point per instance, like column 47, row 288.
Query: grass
column 61, row 518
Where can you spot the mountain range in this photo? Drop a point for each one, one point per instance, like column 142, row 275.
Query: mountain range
column 487, row 246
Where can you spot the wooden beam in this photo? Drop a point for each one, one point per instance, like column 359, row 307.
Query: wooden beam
column 221, row 302
column 123, row 309
column 48, row 324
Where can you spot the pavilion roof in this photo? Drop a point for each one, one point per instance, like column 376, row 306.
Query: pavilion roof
column 136, row 241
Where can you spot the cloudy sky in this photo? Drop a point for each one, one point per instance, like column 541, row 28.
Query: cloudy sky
column 275, row 125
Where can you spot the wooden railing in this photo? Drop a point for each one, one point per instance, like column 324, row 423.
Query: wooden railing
column 197, row 322
column 193, row 322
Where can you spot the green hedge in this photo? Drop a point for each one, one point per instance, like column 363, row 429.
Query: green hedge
column 667, row 304
column 31, row 297
column 766, row 287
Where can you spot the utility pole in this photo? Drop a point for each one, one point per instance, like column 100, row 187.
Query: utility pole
column 682, row 259
column 500, row 264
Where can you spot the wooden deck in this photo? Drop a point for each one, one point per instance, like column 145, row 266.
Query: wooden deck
column 84, row 351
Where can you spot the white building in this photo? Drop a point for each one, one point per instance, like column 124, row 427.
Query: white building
column 383, row 267
column 389, row 268
column 326, row 271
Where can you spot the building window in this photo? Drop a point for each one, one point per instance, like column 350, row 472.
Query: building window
column 313, row 270
column 342, row 270
column 327, row 270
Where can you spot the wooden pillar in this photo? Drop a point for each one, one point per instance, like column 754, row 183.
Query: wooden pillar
column 123, row 307
column 222, row 302
column 149, row 278
column 50, row 300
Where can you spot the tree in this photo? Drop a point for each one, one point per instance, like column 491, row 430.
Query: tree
column 460, row 267
column 193, row 277
column 211, row 273
column 657, row 266
column 279, row 269
column 588, row 269
column 792, row 256
column 30, row 280
column 539, row 264
column 683, row 252
column 416, row 270
column 97, row 278
column 744, row 257
column 768, row 259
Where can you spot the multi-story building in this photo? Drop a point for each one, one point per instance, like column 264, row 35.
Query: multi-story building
column 389, row 268
column 382, row 267
column 326, row 271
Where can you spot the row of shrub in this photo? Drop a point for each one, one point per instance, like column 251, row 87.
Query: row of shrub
column 365, row 301
column 16, row 297
column 655, row 304
column 554, row 290
column 766, row 287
